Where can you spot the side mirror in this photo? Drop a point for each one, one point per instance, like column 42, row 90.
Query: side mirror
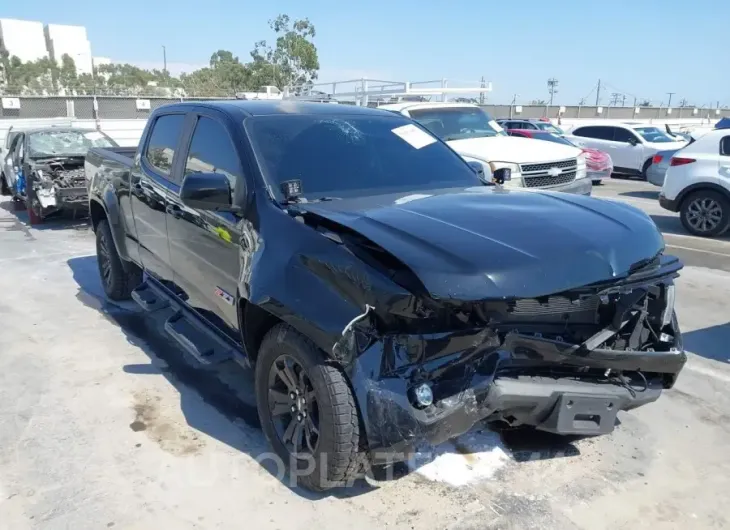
column 207, row 191
column 633, row 141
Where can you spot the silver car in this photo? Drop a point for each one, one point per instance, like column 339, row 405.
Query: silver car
column 659, row 166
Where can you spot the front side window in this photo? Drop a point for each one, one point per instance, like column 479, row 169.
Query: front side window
column 622, row 135
column 352, row 156
column 59, row 143
column 653, row 135
column 163, row 142
column 212, row 151
column 457, row 123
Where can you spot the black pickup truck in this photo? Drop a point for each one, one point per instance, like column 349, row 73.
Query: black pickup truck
column 387, row 294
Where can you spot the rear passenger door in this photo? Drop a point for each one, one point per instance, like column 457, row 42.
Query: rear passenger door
column 625, row 154
column 205, row 245
column 156, row 175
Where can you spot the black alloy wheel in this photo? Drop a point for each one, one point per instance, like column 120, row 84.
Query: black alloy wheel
column 293, row 406
column 105, row 265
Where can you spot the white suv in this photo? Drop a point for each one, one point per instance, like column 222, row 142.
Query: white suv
column 469, row 131
column 697, row 184
column 631, row 145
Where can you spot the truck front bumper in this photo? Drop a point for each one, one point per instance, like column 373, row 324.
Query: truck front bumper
column 479, row 383
column 53, row 198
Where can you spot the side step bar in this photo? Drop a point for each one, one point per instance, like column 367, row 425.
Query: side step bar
column 185, row 327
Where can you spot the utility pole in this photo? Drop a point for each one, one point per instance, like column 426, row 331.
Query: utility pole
column 552, row 83
column 164, row 59
column 615, row 96
column 598, row 93
column 670, row 94
column 481, row 94
column 623, row 100
column 511, row 105
column 634, row 101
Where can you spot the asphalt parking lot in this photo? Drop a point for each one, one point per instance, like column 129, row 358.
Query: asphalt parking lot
column 103, row 424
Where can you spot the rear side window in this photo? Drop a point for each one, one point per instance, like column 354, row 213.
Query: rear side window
column 163, row 141
column 597, row 132
column 725, row 146
column 212, row 151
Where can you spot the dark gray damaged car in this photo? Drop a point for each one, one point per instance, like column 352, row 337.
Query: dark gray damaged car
column 386, row 296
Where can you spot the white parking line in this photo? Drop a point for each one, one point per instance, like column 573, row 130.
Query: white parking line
column 700, row 250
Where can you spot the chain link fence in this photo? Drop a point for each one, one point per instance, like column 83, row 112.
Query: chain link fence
column 132, row 107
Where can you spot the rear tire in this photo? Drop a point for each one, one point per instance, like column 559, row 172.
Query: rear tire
column 335, row 458
column 705, row 213
column 118, row 284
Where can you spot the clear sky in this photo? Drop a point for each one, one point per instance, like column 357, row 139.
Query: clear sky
column 644, row 48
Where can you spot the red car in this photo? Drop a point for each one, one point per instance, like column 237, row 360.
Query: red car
column 598, row 163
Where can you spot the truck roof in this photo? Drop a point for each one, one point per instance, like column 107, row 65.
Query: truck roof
column 268, row 107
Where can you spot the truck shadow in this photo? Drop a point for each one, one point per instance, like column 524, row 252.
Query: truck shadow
column 228, row 389
column 710, row 343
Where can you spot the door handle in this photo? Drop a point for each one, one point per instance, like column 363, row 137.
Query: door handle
column 174, row 210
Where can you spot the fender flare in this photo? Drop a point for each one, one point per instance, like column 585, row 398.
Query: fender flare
column 686, row 192
column 113, row 216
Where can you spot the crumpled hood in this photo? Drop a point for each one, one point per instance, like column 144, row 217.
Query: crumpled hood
column 489, row 242
column 513, row 149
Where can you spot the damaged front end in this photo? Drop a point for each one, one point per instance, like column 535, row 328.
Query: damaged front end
column 58, row 185
column 564, row 363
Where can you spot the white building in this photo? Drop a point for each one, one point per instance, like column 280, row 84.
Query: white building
column 70, row 40
column 23, row 38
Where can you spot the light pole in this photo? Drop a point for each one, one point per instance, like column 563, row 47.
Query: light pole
column 164, row 59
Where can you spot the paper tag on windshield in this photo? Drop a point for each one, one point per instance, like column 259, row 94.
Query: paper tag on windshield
column 414, row 136
column 94, row 135
column 496, row 126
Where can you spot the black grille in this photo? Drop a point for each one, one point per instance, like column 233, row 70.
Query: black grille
column 547, row 181
column 530, row 168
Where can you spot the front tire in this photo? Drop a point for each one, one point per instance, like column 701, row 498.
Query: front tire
column 307, row 410
column 118, row 284
column 705, row 213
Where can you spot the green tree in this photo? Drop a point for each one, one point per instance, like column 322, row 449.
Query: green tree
column 293, row 61
column 645, row 103
column 67, row 76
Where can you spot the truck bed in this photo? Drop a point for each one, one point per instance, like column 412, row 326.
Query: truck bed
column 121, row 155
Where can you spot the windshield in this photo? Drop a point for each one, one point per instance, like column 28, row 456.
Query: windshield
column 351, row 156
column 551, row 137
column 458, row 123
column 546, row 126
column 654, row 135
column 66, row 143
